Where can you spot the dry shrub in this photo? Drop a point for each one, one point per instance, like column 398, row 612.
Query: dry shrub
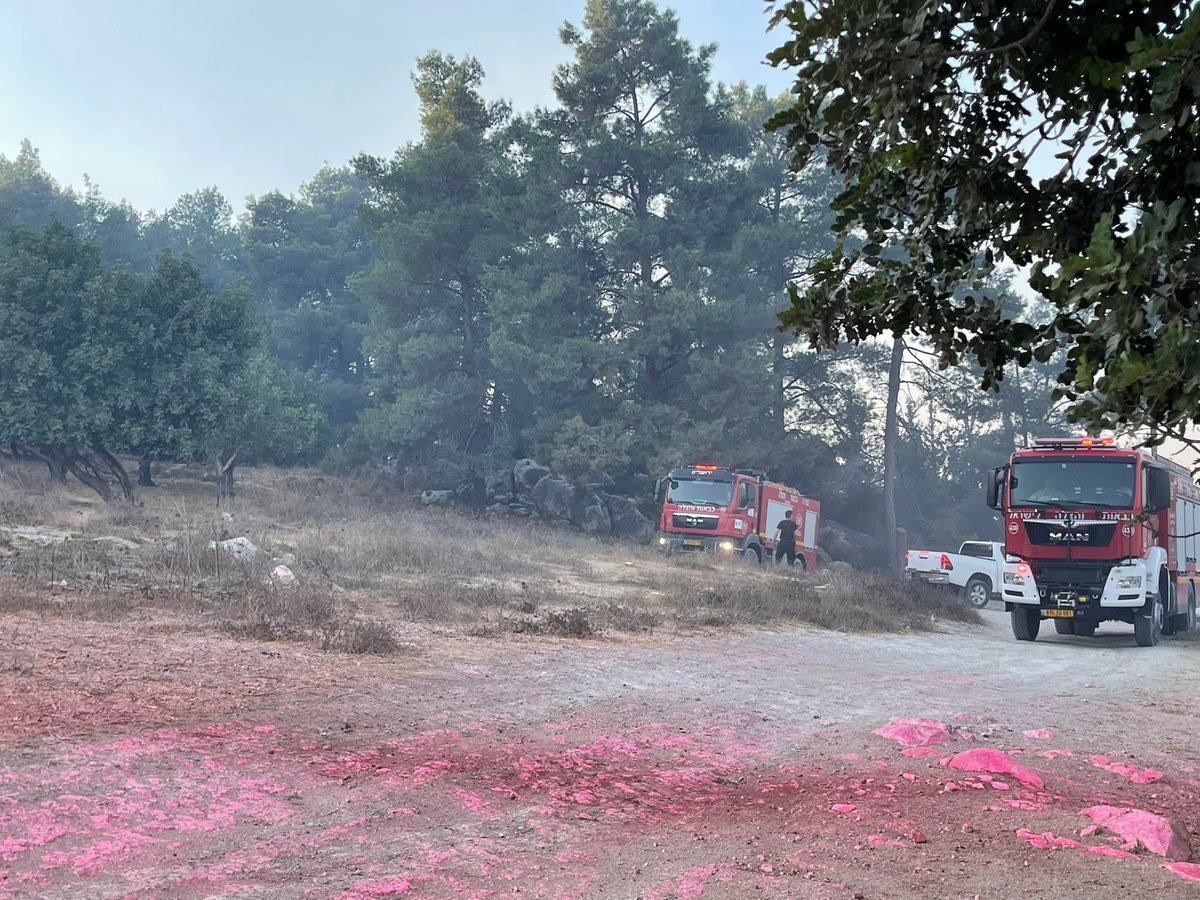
column 630, row 619
column 573, row 622
column 361, row 636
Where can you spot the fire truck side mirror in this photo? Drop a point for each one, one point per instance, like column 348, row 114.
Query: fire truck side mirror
column 658, row 490
column 1158, row 489
column 995, row 487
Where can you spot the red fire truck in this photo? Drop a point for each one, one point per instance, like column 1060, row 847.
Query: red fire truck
column 1093, row 533
column 733, row 512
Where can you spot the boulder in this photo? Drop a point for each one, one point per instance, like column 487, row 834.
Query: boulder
column 282, row 576
column 846, row 545
column 437, row 498
column 499, row 486
column 627, row 520
column 558, row 499
column 589, row 513
column 552, row 497
column 526, row 474
column 239, row 548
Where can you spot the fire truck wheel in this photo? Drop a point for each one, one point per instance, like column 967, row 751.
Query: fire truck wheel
column 1172, row 622
column 1025, row 622
column 978, row 591
column 750, row 555
column 1186, row 620
column 1147, row 624
column 1064, row 626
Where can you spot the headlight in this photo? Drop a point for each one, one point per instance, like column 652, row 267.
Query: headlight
column 662, row 541
column 1014, row 578
column 1129, row 581
column 726, row 545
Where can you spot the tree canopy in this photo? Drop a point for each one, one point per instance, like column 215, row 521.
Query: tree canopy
column 1057, row 136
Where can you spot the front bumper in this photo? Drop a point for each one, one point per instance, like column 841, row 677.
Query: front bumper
column 695, row 543
column 1124, row 588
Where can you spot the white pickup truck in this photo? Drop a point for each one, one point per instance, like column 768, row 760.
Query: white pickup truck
column 975, row 570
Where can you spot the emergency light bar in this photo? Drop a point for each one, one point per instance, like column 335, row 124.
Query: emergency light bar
column 704, row 467
column 1073, row 443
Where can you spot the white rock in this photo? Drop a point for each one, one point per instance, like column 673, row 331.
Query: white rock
column 282, row 576
column 238, row 547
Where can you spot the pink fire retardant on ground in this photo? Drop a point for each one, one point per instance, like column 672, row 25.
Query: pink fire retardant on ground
column 916, row 732
column 1139, row 827
column 1047, row 841
column 1039, row 734
column 1136, row 774
column 987, row 759
column 1190, row 871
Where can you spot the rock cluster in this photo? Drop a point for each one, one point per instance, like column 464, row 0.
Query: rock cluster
column 529, row 488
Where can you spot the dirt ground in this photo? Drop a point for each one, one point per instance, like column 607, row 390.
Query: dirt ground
column 139, row 762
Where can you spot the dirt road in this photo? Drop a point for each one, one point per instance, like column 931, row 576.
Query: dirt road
column 153, row 764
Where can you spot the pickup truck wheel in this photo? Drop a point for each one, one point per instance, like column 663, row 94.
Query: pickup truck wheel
column 1026, row 620
column 978, row 591
column 1065, row 626
column 1147, row 624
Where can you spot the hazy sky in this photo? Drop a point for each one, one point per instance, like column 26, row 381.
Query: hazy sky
column 155, row 98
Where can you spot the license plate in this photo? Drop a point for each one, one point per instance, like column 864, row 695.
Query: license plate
column 1060, row 613
column 693, row 543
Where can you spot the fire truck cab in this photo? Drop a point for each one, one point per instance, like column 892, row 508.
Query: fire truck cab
column 1093, row 533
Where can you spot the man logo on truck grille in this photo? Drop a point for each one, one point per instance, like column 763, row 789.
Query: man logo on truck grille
column 1070, row 537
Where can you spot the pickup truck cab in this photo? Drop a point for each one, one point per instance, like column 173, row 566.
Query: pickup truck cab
column 975, row 570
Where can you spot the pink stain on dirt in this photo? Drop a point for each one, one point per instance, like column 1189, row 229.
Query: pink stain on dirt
column 916, row 732
column 1138, row 827
column 987, row 759
column 1047, row 840
column 1136, row 774
column 1111, row 851
column 1186, row 870
column 1038, row 734
column 694, row 883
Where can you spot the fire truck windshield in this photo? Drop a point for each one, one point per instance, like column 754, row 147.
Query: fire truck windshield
column 1099, row 484
column 700, row 492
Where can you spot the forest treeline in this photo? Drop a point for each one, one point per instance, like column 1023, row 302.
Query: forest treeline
column 595, row 284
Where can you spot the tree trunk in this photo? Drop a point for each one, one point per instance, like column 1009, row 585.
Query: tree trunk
column 225, row 476
column 890, row 436
column 55, row 459
column 83, row 470
column 144, row 479
column 779, row 400
column 118, row 472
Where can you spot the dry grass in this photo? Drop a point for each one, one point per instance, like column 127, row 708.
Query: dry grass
column 371, row 563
